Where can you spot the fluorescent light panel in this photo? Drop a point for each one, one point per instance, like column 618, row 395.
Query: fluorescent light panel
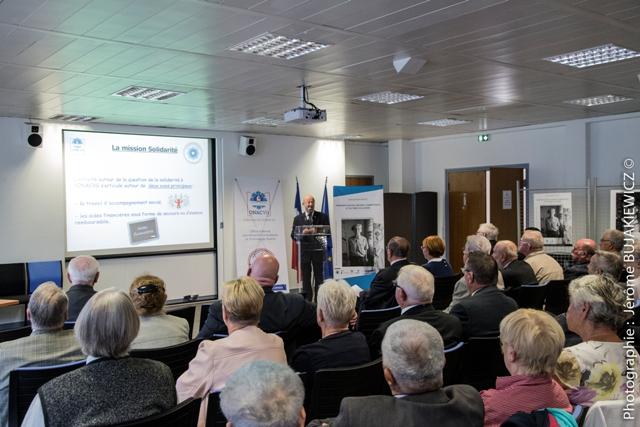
column 598, row 100
column 73, row 118
column 594, row 56
column 264, row 121
column 277, row 46
column 146, row 93
column 345, row 136
column 445, row 122
column 388, row 97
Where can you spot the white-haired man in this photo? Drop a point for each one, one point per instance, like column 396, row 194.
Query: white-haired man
column 82, row 272
column 413, row 359
column 489, row 231
column 515, row 272
column 48, row 344
column 545, row 267
column 264, row 394
column 414, row 293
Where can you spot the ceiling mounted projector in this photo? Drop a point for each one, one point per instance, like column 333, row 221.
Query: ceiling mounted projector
column 304, row 115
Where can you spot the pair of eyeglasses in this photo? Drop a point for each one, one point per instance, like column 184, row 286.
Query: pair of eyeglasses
column 395, row 285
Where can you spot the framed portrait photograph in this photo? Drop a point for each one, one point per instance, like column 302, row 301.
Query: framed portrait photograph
column 552, row 214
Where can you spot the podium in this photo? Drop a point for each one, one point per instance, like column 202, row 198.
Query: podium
column 312, row 247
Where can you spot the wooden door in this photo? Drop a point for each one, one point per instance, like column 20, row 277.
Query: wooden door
column 354, row 180
column 467, row 209
column 503, row 201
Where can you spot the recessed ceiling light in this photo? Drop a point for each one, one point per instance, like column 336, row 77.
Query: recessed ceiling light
column 345, row 136
column 598, row 100
column 594, row 56
column 277, row 46
column 264, row 121
column 73, row 118
column 445, row 122
column 146, row 93
column 388, row 97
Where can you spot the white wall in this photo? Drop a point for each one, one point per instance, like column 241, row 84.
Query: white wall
column 32, row 195
column 369, row 159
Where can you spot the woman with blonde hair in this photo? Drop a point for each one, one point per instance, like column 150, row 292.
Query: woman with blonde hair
column 433, row 251
column 531, row 342
column 157, row 329
column 216, row 360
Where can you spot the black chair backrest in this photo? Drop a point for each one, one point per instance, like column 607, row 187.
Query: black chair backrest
column 529, row 296
column 204, row 313
column 443, row 292
column 176, row 357
column 557, row 301
column 482, row 362
column 331, row 385
column 369, row 320
column 184, row 415
column 215, row 417
column 188, row 313
column 25, row 382
column 69, row 324
column 14, row 334
column 453, row 359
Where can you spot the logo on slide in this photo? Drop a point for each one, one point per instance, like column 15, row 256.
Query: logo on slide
column 258, row 204
column 77, row 144
column 179, row 201
column 193, row 153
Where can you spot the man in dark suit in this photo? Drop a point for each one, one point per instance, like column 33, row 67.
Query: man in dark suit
column 482, row 311
column 82, row 272
column 382, row 294
column 414, row 293
column 312, row 249
column 413, row 359
column 515, row 272
column 280, row 311
column 581, row 254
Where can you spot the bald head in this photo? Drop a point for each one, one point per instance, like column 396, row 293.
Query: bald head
column 504, row 252
column 264, row 270
column 397, row 248
column 583, row 250
column 308, row 203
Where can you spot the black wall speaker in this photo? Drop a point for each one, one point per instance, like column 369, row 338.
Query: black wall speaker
column 247, row 146
column 34, row 134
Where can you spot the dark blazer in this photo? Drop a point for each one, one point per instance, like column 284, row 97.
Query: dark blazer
column 455, row 405
column 78, row 296
column 280, row 312
column 575, row 271
column 439, row 268
column 317, row 218
column 449, row 326
column 382, row 294
column 481, row 313
column 339, row 350
column 518, row 273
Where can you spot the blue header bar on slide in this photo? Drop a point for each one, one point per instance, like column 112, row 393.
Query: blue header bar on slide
column 345, row 191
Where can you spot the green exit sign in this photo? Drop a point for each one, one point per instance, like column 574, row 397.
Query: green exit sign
column 483, row 138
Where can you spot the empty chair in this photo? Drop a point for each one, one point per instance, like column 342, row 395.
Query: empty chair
column 453, row 358
column 176, row 357
column 43, row 271
column 369, row 320
column 204, row 313
column 24, row 384
column 215, row 417
column 529, row 296
column 188, row 313
column 482, row 362
column 331, row 385
column 14, row 334
column 557, row 299
column 443, row 292
column 184, row 414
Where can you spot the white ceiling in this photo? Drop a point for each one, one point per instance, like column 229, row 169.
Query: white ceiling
column 484, row 62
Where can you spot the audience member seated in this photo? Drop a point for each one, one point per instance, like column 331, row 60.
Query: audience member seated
column 531, row 342
column 632, row 280
column 489, row 231
column 157, row 329
column 82, row 272
column 433, row 250
column 412, row 358
column 483, row 310
column 612, row 240
column 609, row 263
column 596, row 369
column 217, row 360
column 339, row 347
column 112, row 388
column 381, row 294
column 414, row 293
column 48, row 344
column 264, row 394
column 545, row 267
column 281, row 311
column 515, row 272
column 473, row 244
column 581, row 254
